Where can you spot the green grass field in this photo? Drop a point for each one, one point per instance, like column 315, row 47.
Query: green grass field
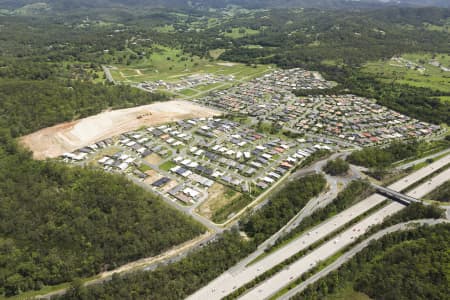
column 166, row 28
column 432, row 77
column 240, row 32
column 445, row 99
column 216, row 53
column 166, row 166
column 443, row 28
column 347, row 293
column 171, row 65
column 188, row 92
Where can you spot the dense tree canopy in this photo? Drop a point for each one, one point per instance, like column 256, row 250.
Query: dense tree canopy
column 442, row 193
column 182, row 278
column 29, row 105
column 174, row 281
column 354, row 192
column 282, row 206
column 383, row 157
column 58, row 223
column 336, row 167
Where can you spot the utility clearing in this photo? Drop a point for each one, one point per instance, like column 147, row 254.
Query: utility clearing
column 54, row 141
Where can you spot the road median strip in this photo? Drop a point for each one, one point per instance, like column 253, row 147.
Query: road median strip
column 269, row 273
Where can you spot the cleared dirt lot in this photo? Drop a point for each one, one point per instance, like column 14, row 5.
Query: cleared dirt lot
column 218, row 196
column 152, row 176
column 153, row 159
column 66, row 137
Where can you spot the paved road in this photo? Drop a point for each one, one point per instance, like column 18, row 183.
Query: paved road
column 150, row 263
column 307, row 262
column 424, row 172
column 430, row 185
column 295, row 270
column 239, row 274
column 351, row 253
column 421, row 160
column 186, row 209
column 317, row 202
column 447, row 211
column 108, row 75
column 321, row 201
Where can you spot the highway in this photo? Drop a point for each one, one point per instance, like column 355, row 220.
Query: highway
column 396, row 196
column 307, row 262
column 295, row 270
column 412, row 196
column 240, row 274
column 355, row 250
column 421, row 160
column 431, row 184
column 318, row 202
column 237, row 277
column 421, row 173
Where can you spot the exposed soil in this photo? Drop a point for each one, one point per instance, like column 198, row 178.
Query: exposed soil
column 217, row 198
column 153, row 159
column 66, row 137
column 152, row 176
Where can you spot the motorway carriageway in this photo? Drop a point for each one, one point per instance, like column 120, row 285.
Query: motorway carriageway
column 235, row 278
column 295, row 270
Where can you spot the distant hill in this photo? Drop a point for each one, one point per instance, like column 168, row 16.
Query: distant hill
column 63, row 5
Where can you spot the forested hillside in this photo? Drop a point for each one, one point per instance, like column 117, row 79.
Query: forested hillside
column 180, row 279
column 63, row 5
column 282, row 207
column 27, row 105
column 58, row 223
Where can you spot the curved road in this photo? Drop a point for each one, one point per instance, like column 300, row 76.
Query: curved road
column 355, row 250
column 278, row 281
column 240, row 274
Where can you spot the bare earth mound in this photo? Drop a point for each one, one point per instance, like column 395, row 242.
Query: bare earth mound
column 67, row 137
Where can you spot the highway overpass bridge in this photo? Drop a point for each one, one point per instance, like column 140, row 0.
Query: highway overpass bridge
column 396, row 196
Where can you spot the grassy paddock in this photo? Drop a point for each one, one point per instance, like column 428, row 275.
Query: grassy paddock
column 432, row 77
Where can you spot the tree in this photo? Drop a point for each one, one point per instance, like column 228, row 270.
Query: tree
column 336, row 167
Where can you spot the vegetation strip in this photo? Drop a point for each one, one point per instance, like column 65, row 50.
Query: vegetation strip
column 355, row 192
column 280, row 266
column 400, row 256
column 412, row 212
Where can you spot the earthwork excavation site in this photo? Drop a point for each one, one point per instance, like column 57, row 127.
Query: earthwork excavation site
column 66, row 137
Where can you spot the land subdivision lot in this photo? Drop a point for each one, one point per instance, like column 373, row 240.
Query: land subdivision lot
column 168, row 69
column 217, row 164
column 218, row 196
column 357, row 120
column 66, row 137
column 419, row 69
